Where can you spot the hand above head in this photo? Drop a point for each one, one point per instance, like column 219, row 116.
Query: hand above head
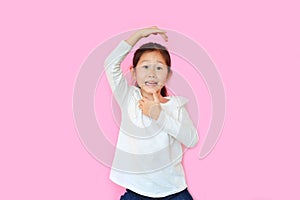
column 153, row 30
column 145, row 32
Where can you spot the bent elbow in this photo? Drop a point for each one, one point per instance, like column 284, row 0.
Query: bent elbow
column 193, row 141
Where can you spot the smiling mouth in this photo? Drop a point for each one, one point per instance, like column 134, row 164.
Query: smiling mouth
column 151, row 83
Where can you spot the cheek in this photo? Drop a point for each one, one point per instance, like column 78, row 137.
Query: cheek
column 139, row 76
column 163, row 77
column 140, row 79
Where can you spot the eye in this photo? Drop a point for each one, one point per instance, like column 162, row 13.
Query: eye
column 145, row 66
column 159, row 68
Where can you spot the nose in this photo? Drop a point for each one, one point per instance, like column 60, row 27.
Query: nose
column 152, row 73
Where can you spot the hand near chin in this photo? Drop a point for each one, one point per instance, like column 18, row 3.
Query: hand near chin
column 150, row 108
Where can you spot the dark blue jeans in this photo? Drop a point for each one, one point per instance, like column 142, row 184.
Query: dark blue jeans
column 183, row 195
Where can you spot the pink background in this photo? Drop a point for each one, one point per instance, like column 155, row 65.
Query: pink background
column 254, row 44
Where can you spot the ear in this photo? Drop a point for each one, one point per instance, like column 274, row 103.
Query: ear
column 132, row 71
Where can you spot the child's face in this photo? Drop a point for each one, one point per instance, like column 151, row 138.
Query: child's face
column 151, row 72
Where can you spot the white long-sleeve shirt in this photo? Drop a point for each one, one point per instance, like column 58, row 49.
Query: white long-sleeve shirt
column 149, row 152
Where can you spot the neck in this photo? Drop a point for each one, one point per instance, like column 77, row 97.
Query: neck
column 149, row 96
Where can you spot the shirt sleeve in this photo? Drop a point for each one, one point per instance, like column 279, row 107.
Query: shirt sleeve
column 116, row 79
column 182, row 129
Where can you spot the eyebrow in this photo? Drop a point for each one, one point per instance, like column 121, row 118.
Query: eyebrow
column 150, row 60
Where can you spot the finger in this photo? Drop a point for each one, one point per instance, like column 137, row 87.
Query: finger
column 160, row 31
column 164, row 36
column 144, row 100
column 157, row 30
column 155, row 97
column 141, row 103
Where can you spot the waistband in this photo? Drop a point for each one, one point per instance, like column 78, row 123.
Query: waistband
column 159, row 198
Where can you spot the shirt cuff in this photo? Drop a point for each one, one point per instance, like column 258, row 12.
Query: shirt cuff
column 125, row 45
column 161, row 118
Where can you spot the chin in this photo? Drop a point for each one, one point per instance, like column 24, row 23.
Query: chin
column 150, row 90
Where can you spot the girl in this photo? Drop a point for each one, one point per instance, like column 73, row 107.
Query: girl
column 154, row 126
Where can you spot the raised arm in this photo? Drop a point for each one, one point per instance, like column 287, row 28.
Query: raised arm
column 116, row 79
